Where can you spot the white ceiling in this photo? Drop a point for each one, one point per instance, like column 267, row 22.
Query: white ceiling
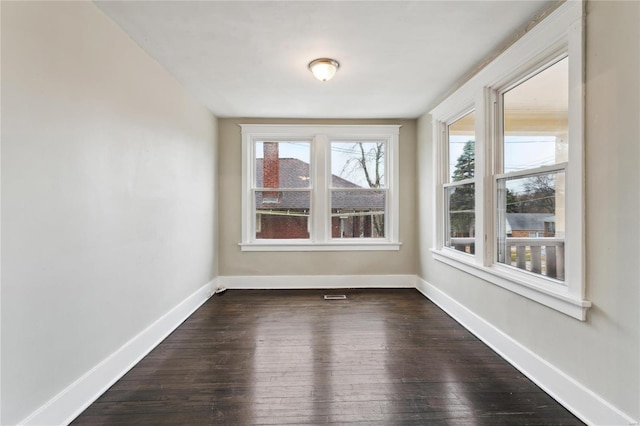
column 249, row 59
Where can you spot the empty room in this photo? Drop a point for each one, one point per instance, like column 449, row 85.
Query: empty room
column 320, row 212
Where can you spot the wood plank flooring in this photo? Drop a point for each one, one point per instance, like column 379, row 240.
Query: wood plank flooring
column 387, row 357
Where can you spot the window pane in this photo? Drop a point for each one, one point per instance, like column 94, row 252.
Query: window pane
column 357, row 214
column 461, row 217
column 531, row 223
column 282, row 164
column 358, row 164
column 536, row 120
column 462, row 139
column 282, row 214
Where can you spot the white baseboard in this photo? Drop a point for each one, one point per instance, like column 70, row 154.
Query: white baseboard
column 575, row 397
column 317, row 281
column 582, row 402
column 74, row 399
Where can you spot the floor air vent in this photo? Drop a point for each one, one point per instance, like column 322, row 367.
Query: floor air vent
column 335, row 296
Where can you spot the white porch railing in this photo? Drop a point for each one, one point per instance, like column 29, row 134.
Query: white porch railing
column 538, row 255
column 543, row 256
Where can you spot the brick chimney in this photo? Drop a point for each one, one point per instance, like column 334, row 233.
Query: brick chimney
column 271, row 169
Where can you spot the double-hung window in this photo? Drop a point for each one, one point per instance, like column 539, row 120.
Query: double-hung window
column 459, row 188
column 281, row 189
column 509, row 168
column 531, row 164
column 320, row 187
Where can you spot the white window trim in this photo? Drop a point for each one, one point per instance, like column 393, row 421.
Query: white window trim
column 560, row 33
column 321, row 137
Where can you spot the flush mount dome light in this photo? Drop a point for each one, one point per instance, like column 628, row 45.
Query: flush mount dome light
column 324, row 68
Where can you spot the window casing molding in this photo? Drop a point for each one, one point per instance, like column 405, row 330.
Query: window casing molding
column 559, row 35
column 320, row 138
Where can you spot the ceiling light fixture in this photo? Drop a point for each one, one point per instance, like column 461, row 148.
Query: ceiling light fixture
column 324, row 68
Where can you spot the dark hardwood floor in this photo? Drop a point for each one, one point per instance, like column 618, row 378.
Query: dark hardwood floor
column 289, row 357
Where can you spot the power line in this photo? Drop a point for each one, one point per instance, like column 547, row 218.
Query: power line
column 370, row 153
column 531, row 199
column 509, row 142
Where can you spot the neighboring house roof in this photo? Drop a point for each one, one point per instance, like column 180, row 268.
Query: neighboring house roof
column 526, row 221
column 294, row 174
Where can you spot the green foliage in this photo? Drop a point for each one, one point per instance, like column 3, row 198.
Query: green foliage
column 461, row 210
column 466, row 163
column 462, row 200
column 537, row 195
column 513, row 205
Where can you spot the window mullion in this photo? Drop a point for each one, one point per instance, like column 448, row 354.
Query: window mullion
column 320, row 194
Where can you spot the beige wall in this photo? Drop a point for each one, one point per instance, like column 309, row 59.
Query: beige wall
column 235, row 262
column 108, row 178
column 603, row 352
column 109, row 207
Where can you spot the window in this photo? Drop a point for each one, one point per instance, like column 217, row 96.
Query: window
column 320, row 187
column 459, row 190
column 281, row 189
column 509, row 168
column 358, row 189
column 531, row 180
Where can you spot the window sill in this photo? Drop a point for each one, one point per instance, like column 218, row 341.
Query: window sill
column 537, row 289
column 311, row 246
